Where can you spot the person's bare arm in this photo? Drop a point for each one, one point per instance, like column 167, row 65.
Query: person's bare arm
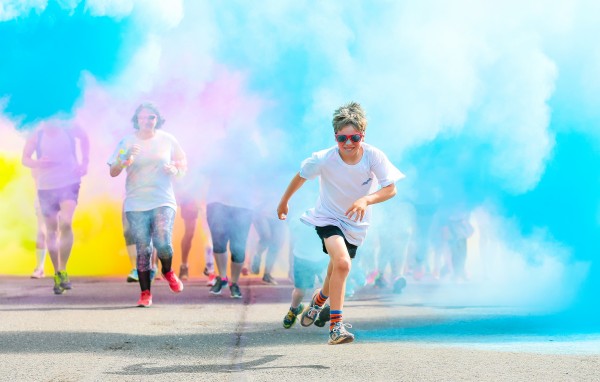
column 295, row 184
column 119, row 165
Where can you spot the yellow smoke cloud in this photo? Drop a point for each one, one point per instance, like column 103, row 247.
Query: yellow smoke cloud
column 99, row 246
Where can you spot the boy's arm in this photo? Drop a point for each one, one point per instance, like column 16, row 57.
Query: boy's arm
column 295, row 184
column 359, row 207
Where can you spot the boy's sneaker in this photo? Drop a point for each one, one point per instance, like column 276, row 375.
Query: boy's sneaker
column 64, row 280
column 323, row 316
column 212, row 279
column 256, row 265
column 267, row 279
column 399, row 285
column 58, row 289
column 339, row 335
column 183, row 272
column 311, row 312
column 290, row 318
column 145, row 299
column 174, row 283
column 235, row 291
column 133, row 277
column 219, row 284
column 38, row 273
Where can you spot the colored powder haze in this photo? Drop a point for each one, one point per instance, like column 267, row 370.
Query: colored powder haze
column 490, row 108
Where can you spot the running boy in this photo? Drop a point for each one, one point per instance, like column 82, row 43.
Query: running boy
column 341, row 216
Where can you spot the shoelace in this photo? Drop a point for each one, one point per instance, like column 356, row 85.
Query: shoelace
column 313, row 311
column 341, row 327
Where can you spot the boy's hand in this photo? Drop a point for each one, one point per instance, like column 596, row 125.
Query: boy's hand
column 282, row 211
column 357, row 210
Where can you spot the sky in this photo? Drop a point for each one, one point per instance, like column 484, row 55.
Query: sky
column 487, row 106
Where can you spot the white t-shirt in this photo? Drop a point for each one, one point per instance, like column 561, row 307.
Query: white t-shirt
column 148, row 186
column 341, row 184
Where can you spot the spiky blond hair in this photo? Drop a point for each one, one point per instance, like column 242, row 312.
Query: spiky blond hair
column 350, row 114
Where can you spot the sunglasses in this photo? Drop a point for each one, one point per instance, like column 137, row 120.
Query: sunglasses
column 342, row 138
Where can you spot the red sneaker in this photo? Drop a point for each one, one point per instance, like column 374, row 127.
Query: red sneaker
column 174, row 283
column 145, row 299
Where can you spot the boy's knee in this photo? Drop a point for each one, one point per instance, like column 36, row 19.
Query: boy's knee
column 342, row 265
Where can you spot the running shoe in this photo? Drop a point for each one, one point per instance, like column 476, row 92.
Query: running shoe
column 323, row 316
column 235, row 291
column 339, row 335
column 38, row 273
column 290, row 318
column 58, row 289
column 133, row 277
column 311, row 312
column 219, row 284
column 212, row 279
column 174, row 283
column 381, row 282
column 183, row 272
column 267, row 279
column 145, row 299
column 65, row 282
column 399, row 285
column 208, row 271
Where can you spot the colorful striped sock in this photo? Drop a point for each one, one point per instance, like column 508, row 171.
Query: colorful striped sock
column 336, row 316
column 320, row 299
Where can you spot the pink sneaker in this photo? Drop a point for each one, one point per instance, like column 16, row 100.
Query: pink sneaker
column 145, row 299
column 212, row 279
column 174, row 283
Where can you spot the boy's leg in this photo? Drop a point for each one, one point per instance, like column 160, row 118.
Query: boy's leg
column 337, row 273
column 318, row 299
column 340, row 268
column 296, row 308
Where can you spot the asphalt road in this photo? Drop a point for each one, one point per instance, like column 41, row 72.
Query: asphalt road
column 95, row 333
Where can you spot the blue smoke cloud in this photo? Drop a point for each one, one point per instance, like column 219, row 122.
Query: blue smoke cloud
column 480, row 104
column 45, row 54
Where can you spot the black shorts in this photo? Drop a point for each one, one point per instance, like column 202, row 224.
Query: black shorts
column 229, row 224
column 50, row 199
column 331, row 230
